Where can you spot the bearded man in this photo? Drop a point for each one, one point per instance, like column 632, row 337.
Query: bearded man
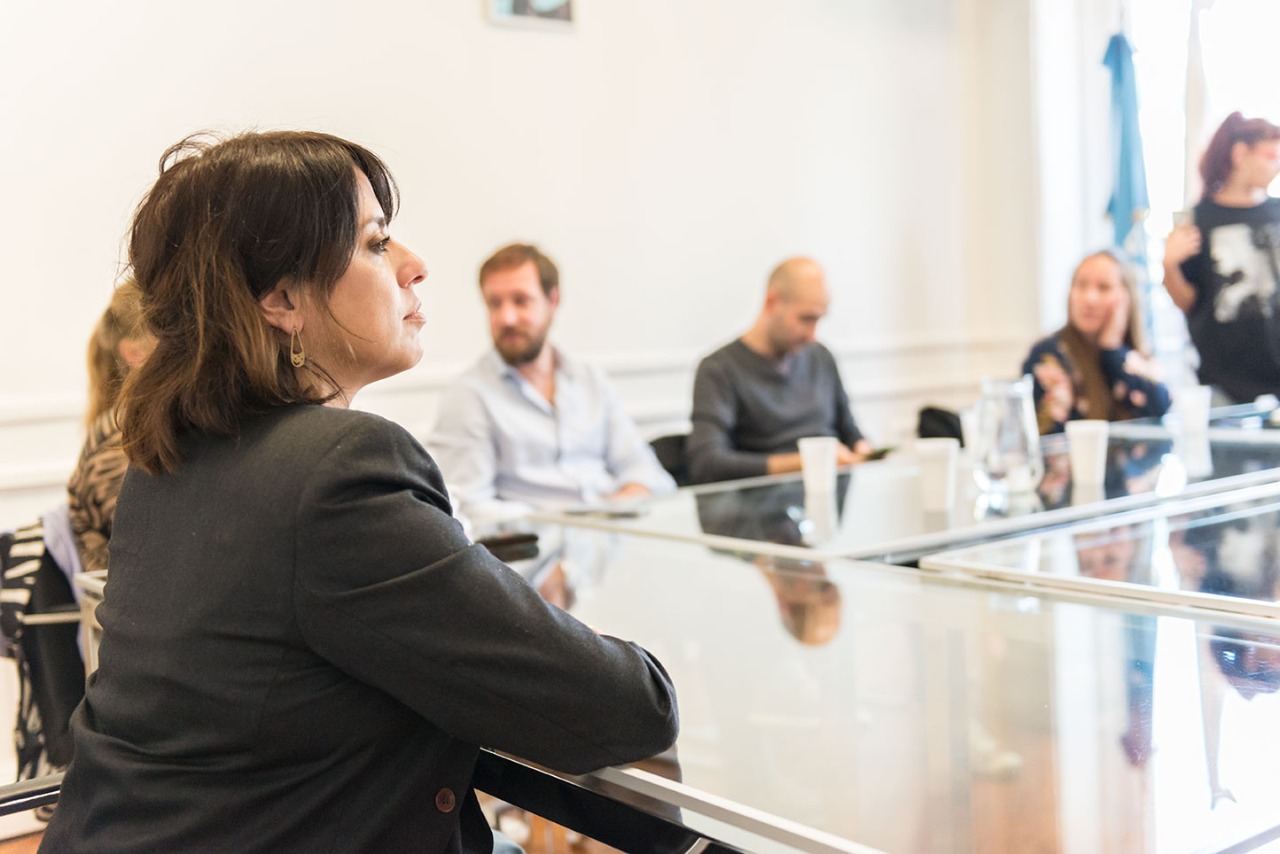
column 529, row 427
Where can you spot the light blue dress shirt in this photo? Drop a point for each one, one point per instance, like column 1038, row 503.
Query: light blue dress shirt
column 504, row 449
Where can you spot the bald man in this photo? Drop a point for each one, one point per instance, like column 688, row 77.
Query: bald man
column 755, row 397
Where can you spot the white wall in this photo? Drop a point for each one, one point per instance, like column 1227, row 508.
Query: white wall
column 665, row 153
column 1073, row 166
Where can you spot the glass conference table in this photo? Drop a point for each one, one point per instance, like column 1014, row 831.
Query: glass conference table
column 876, row 512
column 1219, row 552
column 839, row 706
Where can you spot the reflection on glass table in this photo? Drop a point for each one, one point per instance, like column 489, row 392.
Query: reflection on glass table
column 1220, row 552
column 808, row 602
column 877, row 511
column 1260, row 415
column 938, row 715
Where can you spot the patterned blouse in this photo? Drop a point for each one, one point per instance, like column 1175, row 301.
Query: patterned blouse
column 1130, row 377
column 92, row 490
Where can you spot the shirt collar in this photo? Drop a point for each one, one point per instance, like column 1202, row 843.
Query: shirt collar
column 565, row 366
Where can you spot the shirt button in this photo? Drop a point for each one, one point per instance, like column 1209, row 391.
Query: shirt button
column 445, row 800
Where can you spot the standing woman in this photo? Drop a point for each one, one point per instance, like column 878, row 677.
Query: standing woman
column 301, row 650
column 119, row 344
column 1096, row 366
column 1223, row 270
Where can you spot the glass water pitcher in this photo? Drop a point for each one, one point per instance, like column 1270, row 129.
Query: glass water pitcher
column 1006, row 450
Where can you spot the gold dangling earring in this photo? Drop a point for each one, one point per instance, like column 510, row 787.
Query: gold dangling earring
column 297, row 355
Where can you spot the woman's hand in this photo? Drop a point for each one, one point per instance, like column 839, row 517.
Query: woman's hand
column 1059, row 396
column 1113, row 331
column 1181, row 244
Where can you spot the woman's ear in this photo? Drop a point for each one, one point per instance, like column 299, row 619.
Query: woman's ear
column 281, row 307
column 1238, row 150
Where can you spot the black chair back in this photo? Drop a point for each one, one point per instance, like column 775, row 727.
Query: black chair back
column 40, row 621
column 936, row 422
column 670, row 451
column 30, row 794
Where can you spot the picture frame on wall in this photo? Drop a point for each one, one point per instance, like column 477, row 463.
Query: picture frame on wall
column 538, row 14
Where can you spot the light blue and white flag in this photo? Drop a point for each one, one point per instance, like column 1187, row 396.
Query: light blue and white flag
column 1129, row 202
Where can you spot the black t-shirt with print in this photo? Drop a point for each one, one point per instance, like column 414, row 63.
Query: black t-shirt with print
column 1235, row 321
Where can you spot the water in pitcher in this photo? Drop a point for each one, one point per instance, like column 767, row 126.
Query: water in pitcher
column 1006, row 450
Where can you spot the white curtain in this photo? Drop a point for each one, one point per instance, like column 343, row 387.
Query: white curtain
column 1197, row 103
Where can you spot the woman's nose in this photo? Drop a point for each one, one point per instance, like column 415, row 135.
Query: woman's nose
column 412, row 269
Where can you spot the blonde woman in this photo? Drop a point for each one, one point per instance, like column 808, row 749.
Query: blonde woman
column 120, row 342
column 1096, row 365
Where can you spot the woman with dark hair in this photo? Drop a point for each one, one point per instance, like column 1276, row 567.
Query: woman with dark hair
column 301, row 650
column 1096, row 366
column 1223, row 269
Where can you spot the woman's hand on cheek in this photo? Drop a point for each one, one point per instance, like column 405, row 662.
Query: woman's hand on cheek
column 1113, row 331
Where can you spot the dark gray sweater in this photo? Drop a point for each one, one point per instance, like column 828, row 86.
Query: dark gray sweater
column 747, row 406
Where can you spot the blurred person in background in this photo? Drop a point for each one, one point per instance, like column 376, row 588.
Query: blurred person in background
column 1096, row 366
column 529, row 426
column 758, row 395
column 119, row 343
column 1222, row 268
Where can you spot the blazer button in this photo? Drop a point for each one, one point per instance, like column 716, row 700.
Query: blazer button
column 445, row 800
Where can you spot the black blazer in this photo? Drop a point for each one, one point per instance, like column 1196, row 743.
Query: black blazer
column 302, row 652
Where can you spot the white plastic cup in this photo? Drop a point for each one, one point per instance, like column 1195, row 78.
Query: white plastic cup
column 823, row 516
column 936, row 460
column 1197, row 456
column 818, row 463
column 1192, row 405
column 1087, row 446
